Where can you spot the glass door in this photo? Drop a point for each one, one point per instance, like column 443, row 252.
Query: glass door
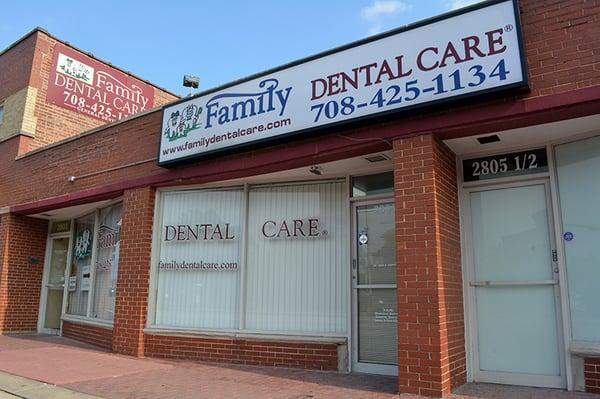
column 55, row 284
column 375, row 301
column 513, row 287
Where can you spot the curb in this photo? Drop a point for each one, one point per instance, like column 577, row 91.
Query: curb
column 15, row 387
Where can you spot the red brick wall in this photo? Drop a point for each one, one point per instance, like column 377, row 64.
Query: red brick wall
column 575, row 48
column 15, row 65
column 134, row 271
column 21, row 238
column 239, row 351
column 592, row 374
column 99, row 336
column 431, row 341
column 562, row 44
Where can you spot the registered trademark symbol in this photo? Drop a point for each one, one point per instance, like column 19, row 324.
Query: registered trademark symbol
column 324, row 233
column 508, row 28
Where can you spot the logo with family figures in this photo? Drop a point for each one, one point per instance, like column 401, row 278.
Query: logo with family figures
column 83, row 244
column 75, row 69
column 181, row 123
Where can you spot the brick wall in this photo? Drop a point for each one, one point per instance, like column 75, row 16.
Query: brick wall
column 592, row 374
column 134, row 271
column 239, row 351
column 575, row 53
column 22, row 240
column 95, row 335
column 431, row 341
column 16, row 64
column 562, row 44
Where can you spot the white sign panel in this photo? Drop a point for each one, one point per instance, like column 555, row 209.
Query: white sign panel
column 457, row 55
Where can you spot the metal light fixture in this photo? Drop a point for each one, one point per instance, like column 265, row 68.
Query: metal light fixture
column 193, row 82
column 316, row 170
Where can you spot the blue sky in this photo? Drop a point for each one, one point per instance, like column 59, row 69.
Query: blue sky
column 219, row 41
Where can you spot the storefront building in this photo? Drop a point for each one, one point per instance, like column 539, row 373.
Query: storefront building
column 419, row 204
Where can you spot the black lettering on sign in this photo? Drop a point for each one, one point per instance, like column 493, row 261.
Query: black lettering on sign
column 505, row 165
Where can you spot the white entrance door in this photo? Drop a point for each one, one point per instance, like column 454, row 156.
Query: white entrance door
column 54, row 285
column 513, row 287
column 375, row 301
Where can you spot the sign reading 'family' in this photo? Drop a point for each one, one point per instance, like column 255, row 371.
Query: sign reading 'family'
column 84, row 85
column 458, row 55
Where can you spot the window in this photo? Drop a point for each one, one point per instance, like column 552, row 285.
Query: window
column 270, row 259
column 297, row 258
column 1, row 113
column 200, row 254
column 81, row 266
column 381, row 183
column 94, row 264
column 106, row 263
column 578, row 167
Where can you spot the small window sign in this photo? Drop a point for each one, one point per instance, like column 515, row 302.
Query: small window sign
column 61, row 227
column 505, row 165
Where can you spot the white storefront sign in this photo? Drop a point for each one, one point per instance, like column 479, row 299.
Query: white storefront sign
column 455, row 56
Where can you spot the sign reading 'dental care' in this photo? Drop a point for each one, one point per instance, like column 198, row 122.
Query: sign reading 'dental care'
column 460, row 55
column 84, row 85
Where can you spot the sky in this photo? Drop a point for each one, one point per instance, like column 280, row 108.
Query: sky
column 219, row 41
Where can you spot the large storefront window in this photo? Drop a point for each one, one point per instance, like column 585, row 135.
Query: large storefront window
column 271, row 258
column 296, row 268
column 200, row 255
column 94, row 264
column 578, row 168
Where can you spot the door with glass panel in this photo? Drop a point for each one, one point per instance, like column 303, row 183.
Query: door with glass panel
column 513, row 286
column 375, row 313
column 55, row 285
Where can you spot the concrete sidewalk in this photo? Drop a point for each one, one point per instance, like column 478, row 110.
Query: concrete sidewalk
column 60, row 368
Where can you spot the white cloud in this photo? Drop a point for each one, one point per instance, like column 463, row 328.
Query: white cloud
column 379, row 10
column 456, row 4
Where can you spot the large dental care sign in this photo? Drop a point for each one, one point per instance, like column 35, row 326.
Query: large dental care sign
column 82, row 84
column 460, row 54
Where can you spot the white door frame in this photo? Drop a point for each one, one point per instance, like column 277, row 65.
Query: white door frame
column 46, row 275
column 470, row 301
column 369, row 368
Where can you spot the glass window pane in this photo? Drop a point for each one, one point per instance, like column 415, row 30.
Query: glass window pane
column 517, row 330
column 511, row 245
column 381, row 183
column 377, row 325
column 578, row 168
column 297, row 264
column 79, row 279
column 376, row 236
column 58, row 261
column 200, row 255
column 107, row 262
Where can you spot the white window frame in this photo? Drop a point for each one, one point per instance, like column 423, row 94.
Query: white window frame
column 87, row 318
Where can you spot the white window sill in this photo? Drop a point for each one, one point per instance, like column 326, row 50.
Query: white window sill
column 85, row 320
column 271, row 336
column 583, row 348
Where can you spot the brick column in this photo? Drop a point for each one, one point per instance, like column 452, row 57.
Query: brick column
column 431, row 340
column 134, row 271
column 22, row 248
